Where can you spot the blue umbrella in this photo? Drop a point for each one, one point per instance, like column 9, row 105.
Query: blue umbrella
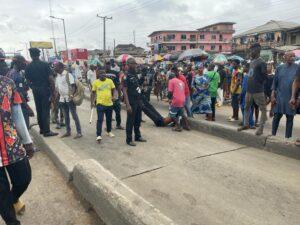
column 234, row 57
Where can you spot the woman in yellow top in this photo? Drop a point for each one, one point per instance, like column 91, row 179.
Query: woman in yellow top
column 102, row 97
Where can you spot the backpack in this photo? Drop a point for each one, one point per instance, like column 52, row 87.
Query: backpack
column 79, row 91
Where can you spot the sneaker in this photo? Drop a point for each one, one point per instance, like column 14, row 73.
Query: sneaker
column 78, row 136
column 232, row 120
column 131, row 143
column 140, row 139
column 19, row 207
column 120, row 127
column 99, row 138
column 243, row 128
column 50, row 134
column 66, row 135
column 260, row 131
column 110, row 134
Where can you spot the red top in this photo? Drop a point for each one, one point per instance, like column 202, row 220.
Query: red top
column 11, row 149
column 186, row 86
column 177, row 87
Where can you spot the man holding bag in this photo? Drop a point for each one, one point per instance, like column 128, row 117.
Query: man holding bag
column 66, row 87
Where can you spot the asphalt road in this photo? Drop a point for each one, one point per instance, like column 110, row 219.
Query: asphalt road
column 198, row 179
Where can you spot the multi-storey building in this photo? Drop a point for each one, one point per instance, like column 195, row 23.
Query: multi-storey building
column 271, row 35
column 214, row 38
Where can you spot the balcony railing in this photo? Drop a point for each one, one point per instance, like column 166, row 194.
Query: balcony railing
column 264, row 45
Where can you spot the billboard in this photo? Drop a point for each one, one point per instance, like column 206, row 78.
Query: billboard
column 41, row 44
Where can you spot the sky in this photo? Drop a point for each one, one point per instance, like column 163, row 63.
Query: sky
column 28, row 20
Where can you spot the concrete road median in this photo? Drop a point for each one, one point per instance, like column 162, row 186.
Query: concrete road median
column 113, row 200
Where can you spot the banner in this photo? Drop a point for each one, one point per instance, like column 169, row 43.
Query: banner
column 41, row 44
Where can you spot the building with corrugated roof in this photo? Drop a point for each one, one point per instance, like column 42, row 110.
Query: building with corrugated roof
column 270, row 35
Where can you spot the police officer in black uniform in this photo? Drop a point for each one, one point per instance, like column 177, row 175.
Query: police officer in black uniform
column 133, row 101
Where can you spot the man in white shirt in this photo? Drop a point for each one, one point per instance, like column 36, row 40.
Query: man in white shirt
column 91, row 76
column 65, row 86
column 77, row 71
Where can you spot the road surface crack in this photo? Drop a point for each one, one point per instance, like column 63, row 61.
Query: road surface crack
column 144, row 172
column 218, row 153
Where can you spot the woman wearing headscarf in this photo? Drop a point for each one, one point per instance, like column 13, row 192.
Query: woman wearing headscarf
column 200, row 98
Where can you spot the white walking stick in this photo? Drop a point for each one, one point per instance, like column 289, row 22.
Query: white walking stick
column 91, row 117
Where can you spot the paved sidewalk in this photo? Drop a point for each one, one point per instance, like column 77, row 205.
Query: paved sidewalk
column 50, row 201
column 224, row 112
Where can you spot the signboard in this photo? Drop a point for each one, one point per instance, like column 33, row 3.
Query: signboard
column 41, row 44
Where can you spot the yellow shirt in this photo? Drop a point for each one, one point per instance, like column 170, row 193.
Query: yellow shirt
column 103, row 91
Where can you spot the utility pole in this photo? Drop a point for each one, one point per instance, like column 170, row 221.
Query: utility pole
column 66, row 43
column 52, row 28
column 104, row 29
column 114, row 48
column 134, row 37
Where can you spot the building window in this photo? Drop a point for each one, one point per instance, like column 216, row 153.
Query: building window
column 183, row 47
column 221, row 37
column 212, row 47
column 213, row 37
column 171, row 48
column 170, row 36
column 215, row 28
column 183, row 37
column 192, row 46
column 201, row 47
column 220, row 48
column 202, row 36
column 193, row 37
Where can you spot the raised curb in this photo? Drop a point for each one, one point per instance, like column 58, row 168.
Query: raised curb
column 62, row 156
column 280, row 146
column 268, row 143
column 272, row 144
column 227, row 132
column 113, row 200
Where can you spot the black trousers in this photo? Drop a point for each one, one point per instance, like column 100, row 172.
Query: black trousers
column 20, row 177
column 288, row 127
column 213, row 106
column 101, row 110
column 134, row 122
column 117, row 109
column 152, row 113
column 42, row 103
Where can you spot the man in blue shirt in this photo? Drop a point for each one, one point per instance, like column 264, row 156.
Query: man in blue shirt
column 282, row 92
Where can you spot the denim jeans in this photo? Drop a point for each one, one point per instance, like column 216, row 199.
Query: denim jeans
column 67, row 108
column 101, row 110
column 20, row 177
column 288, row 126
column 251, row 120
column 187, row 106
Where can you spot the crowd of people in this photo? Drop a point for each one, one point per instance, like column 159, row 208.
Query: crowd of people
column 250, row 86
column 192, row 87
